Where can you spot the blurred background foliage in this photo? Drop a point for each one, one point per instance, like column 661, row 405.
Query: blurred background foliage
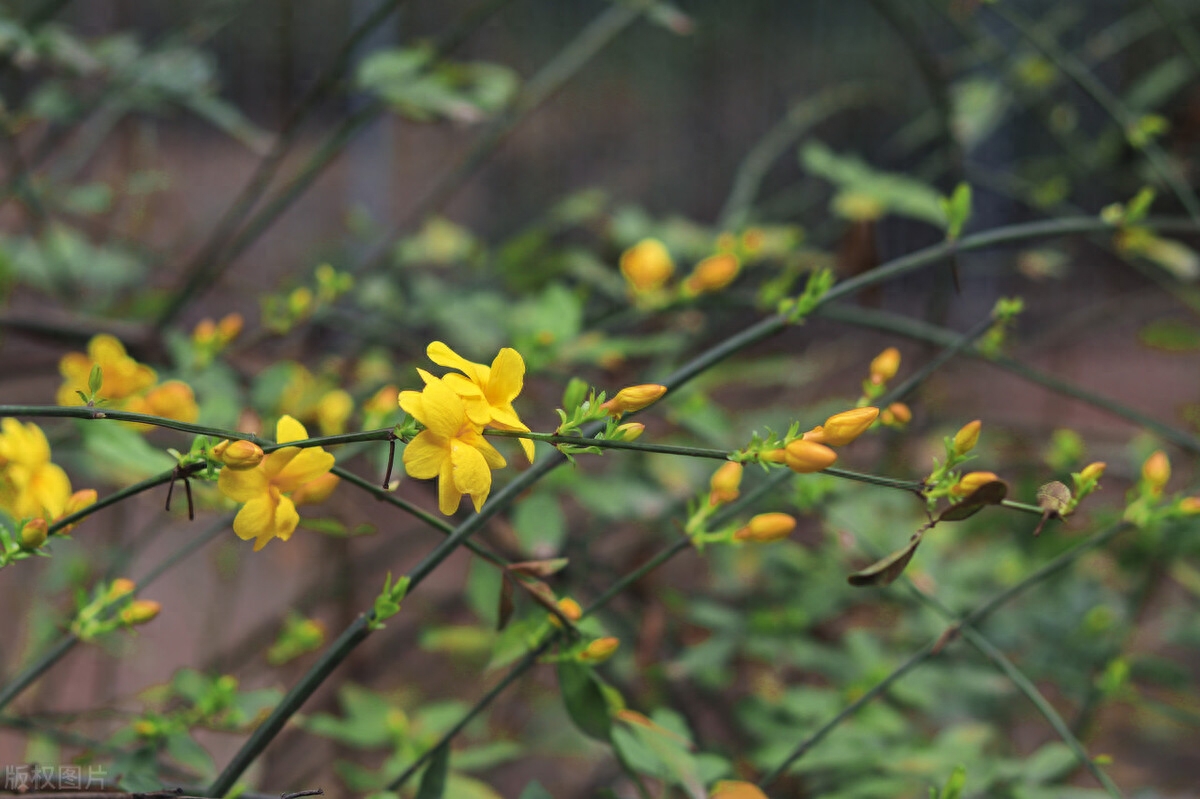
column 353, row 180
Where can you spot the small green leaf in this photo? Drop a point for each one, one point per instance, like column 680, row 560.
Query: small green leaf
column 584, row 700
column 954, row 786
column 433, row 781
column 884, row 572
column 95, row 379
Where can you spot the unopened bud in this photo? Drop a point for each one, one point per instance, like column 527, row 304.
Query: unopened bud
column 140, row 611
column 204, row 333
column 120, row 587
column 971, row 482
column 885, row 365
column 842, row 428
column 630, row 431
column 33, row 534
column 173, row 399
column 897, row 414
column 569, row 608
column 967, row 437
column 713, row 273
column 1093, row 471
column 767, row 527
column 600, row 650
column 808, row 456
column 316, row 490
column 229, row 327
column 633, row 398
column 1189, row 506
column 239, row 455
column 723, row 487
column 1156, row 471
column 773, row 456
column 736, row 789
column 647, row 265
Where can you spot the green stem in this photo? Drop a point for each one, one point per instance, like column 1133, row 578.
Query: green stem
column 1112, row 105
column 115, row 497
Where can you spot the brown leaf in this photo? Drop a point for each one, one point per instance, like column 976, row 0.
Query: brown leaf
column 884, row 572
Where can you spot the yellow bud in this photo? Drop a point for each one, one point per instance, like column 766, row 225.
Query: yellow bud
column 630, row 431
column 83, row 498
column 967, row 437
column 773, row 456
column 808, row 456
column 1093, row 471
column 724, row 483
column 333, row 410
column 174, row 400
column 383, row 401
column 713, row 273
column 901, row 413
column 300, row 302
column 599, row 650
column 140, row 611
column 33, row 534
column 842, row 428
column 1156, row 471
column 634, row 398
column 229, row 327
column 971, row 482
column 726, row 242
column 767, row 527
column 752, row 240
column 647, row 265
column 885, row 365
column 736, row 789
column 239, row 455
column 145, row 728
column 204, row 333
column 569, row 608
column 120, row 587
column 1189, row 505
column 316, row 490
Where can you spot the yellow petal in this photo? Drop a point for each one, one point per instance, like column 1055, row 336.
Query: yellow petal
column 76, row 367
column 424, row 455
column 105, row 348
column 243, row 486
column 449, row 497
column 490, row 454
column 507, row 377
column 286, row 518
column 51, row 489
column 471, row 473
column 478, row 410
column 278, row 460
column 442, row 355
column 308, row 465
column 527, row 445
column 504, row 417
column 462, row 385
column 256, row 520
column 412, row 403
column 426, row 377
column 288, row 429
column 442, row 410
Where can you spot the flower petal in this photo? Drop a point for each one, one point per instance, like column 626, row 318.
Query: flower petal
column 471, row 473
column 504, row 417
column 286, row 518
column 278, row 460
column 478, row 410
column 442, row 410
column 442, row 355
column 412, row 403
column 256, row 520
column 51, row 489
column 462, row 385
column 490, row 454
column 243, row 486
column 449, row 497
column 507, row 377
column 424, row 455
column 309, row 464
column 288, row 429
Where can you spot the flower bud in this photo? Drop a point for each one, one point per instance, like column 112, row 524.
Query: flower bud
column 229, row 327
column 723, row 486
column 773, row 456
column 316, row 490
column 33, row 534
column 630, row 431
column 239, row 455
column 83, row 498
column 842, row 428
column 633, row 398
column 736, row 789
column 600, row 650
column 204, row 333
column 767, row 527
column 1093, row 471
column 119, row 588
column 140, row 611
column 1189, row 506
column 971, row 482
column 173, row 399
column 808, row 456
column 713, row 273
column 901, row 413
column 647, row 265
column 967, row 437
column 1156, row 471
column 569, row 608
column 885, row 365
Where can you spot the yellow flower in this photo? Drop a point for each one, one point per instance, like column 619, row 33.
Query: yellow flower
column 767, row 527
column 122, row 376
column 173, row 400
column 842, row 428
column 712, row 274
column 239, row 455
column 30, row 485
column 333, row 410
column 633, row 398
column 84, row 498
column 268, row 511
column 450, row 448
column 316, row 490
column 647, row 265
column 487, row 391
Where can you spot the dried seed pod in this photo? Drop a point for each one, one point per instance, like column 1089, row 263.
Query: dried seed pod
column 1053, row 498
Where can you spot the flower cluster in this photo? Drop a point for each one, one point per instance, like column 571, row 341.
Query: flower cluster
column 648, row 266
column 271, row 486
column 455, row 409
column 125, row 384
column 31, row 487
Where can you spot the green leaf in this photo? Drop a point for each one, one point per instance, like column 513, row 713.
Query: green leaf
column 885, row 571
column 433, row 781
column 189, row 754
column 957, row 209
column 120, row 453
column 954, row 786
column 1170, row 335
column 534, row 790
column 895, row 193
column 584, row 700
column 540, row 524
